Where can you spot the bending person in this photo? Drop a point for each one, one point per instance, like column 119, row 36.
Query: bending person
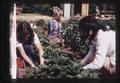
column 102, row 54
column 26, row 39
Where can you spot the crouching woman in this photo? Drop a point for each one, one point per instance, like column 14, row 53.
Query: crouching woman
column 26, row 40
column 102, row 54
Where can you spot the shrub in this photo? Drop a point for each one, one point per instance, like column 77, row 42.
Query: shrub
column 74, row 38
column 60, row 65
column 110, row 22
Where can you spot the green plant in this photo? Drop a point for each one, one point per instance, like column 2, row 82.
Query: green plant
column 110, row 22
column 75, row 38
column 59, row 65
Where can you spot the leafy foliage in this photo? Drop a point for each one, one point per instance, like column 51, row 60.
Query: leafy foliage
column 42, row 9
column 41, row 23
column 75, row 38
column 59, row 65
column 45, row 41
column 110, row 22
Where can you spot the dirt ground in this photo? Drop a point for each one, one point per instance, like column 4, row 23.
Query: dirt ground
column 34, row 17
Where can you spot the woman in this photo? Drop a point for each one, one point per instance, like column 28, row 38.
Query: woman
column 26, row 39
column 54, row 27
column 102, row 53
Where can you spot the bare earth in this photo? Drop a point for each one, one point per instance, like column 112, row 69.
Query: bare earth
column 34, row 17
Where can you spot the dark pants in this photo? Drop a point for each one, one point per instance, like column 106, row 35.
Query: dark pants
column 106, row 74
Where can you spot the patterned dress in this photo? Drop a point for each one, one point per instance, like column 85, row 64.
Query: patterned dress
column 54, row 29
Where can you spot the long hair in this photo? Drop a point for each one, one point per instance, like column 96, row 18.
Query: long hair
column 90, row 23
column 24, row 28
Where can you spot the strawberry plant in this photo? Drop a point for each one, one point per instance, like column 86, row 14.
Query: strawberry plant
column 59, row 65
column 75, row 38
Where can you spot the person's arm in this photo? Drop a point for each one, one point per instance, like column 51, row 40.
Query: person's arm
column 50, row 26
column 59, row 34
column 24, row 55
column 100, row 54
column 90, row 56
column 39, row 47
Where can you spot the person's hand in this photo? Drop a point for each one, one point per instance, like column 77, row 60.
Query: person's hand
column 85, row 67
column 42, row 61
column 32, row 65
column 83, row 63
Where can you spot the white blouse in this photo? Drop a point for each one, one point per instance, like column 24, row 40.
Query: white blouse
column 104, row 45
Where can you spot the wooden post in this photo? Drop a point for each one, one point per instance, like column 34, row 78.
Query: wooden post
column 85, row 9
column 13, row 66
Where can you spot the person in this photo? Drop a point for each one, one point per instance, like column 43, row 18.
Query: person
column 102, row 53
column 54, row 27
column 26, row 40
column 97, row 11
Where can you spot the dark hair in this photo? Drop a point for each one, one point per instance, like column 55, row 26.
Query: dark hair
column 22, row 28
column 90, row 22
